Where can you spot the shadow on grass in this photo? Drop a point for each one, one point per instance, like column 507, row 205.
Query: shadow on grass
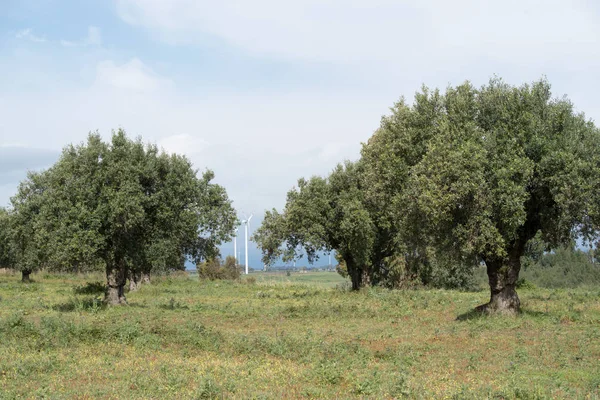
column 90, row 288
column 471, row 315
column 535, row 314
column 89, row 304
column 477, row 314
column 137, row 305
column 173, row 305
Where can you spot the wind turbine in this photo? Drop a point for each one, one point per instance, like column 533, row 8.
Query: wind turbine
column 235, row 247
column 246, row 223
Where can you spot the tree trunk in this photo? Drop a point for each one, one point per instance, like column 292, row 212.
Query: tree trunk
column 25, row 276
column 135, row 280
column 503, row 276
column 115, row 277
column 356, row 275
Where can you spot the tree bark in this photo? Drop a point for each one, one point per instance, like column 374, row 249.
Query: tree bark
column 115, row 277
column 146, row 277
column 503, row 276
column 135, row 280
column 356, row 276
column 25, row 276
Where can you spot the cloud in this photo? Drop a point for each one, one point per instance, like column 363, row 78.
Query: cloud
column 15, row 161
column 93, row 38
column 183, row 144
column 133, row 75
column 27, row 34
column 399, row 32
column 261, row 125
column 258, row 143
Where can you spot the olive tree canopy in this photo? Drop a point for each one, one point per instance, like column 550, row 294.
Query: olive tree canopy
column 489, row 168
column 129, row 207
column 461, row 177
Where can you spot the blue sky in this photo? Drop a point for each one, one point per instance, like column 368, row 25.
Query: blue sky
column 264, row 92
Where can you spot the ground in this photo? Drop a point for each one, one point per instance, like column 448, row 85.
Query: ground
column 277, row 338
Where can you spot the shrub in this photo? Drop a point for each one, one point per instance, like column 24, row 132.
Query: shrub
column 215, row 269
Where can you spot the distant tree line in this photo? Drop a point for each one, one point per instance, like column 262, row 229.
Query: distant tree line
column 564, row 267
column 457, row 179
column 121, row 206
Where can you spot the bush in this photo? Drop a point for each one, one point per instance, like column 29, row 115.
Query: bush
column 215, row 269
column 525, row 284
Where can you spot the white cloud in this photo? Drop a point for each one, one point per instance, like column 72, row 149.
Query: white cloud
column 133, row 75
column 332, row 151
column 93, row 38
column 28, row 34
column 183, row 144
column 400, row 32
column 258, row 144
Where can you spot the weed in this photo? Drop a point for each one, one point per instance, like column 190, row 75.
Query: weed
column 208, row 390
column 92, row 304
column 291, row 339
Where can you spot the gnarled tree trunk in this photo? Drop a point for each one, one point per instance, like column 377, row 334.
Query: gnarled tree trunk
column 135, row 280
column 145, row 277
column 25, row 276
column 357, row 276
column 503, row 276
column 116, row 277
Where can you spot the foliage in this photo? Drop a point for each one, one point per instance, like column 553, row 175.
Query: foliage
column 121, row 205
column 215, row 269
column 322, row 214
column 22, row 243
column 5, row 246
column 496, row 166
column 456, row 178
column 564, row 268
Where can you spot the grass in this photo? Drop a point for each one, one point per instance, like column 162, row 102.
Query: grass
column 320, row 279
column 181, row 338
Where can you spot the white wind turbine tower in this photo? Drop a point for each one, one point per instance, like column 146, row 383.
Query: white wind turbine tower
column 235, row 254
column 247, row 223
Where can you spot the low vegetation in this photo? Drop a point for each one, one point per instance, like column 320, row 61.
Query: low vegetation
column 186, row 338
column 216, row 269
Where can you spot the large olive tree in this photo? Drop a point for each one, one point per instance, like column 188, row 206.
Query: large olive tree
column 482, row 171
column 130, row 207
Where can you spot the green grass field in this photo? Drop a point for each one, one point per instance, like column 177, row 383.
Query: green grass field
column 184, row 338
column 319, row 279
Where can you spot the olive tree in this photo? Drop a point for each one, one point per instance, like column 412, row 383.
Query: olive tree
column 187, row 219
column 323, row 214
column 22, row 243
column 129, row 206
column 489, row 168
column 6, row 247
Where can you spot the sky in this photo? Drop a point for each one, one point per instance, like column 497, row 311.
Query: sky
column 264, row 92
